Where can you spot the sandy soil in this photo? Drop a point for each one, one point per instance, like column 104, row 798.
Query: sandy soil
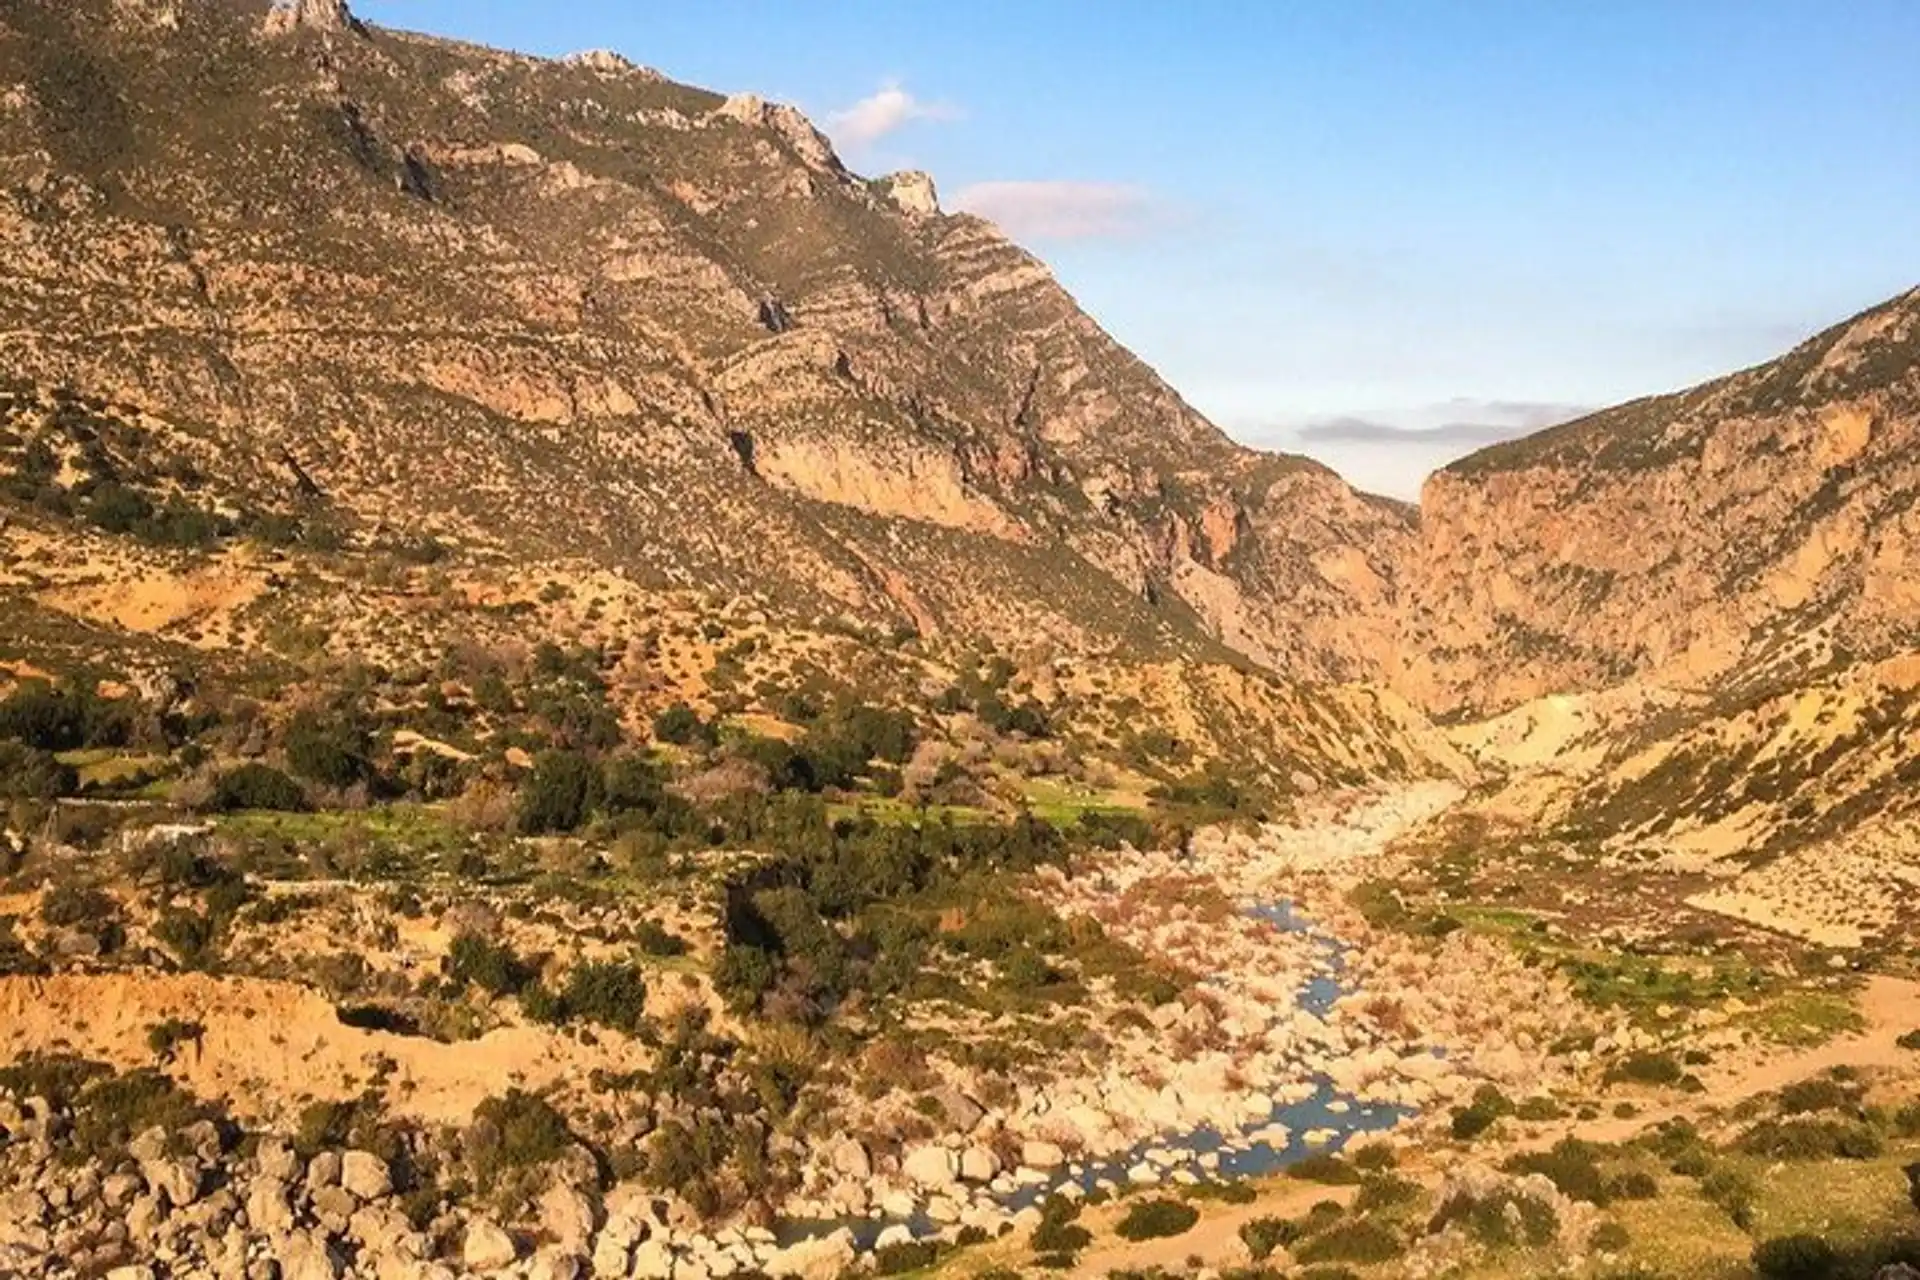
column 268, row 1041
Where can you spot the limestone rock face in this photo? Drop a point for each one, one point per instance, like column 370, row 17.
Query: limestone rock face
column 1755, row 523
column 913, row 193
column 311, row 15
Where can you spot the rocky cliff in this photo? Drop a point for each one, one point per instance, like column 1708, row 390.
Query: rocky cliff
column 1752, row 530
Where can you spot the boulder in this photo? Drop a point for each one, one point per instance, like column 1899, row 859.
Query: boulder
column 365, row 1175
column 567, row 1215
column 1042, row 1155
column 978, row 1164
column 177, row 1180
column 652, row 1260
column 487, row 1247
column 822, row 1258
column 324, row 1169
column 930, row 1166
column 850, row 1159
column 555, row 1264
column 304, row 1255
column 269, row 1211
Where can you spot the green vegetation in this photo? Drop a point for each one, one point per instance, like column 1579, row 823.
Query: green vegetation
column 257, row 786
column 1153, row 1219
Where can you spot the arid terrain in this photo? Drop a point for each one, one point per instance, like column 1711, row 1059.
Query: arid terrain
column 585, row 691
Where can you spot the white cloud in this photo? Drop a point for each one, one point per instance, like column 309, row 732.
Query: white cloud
column 873, row 118
column 1061, row 210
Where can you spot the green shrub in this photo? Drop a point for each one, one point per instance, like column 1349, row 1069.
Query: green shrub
column 1385, row 1191
column 1491, row 1219
column 1733, row 1193
column 1610, row 1237
column 1811, row 1139
column 1264, row 1235
column 910, row 1255
column 560, row 794
column 517, row 1130
column 329, row 751
column 1364, row 1240
column 1374, row 1157
column 1799, row 1257
column 1807, row 1096
column 257, row 786
column 1058, row 1234
column 72, row 906
column 681, row 725
column 491, row 966
column 1646, row 1067
column 28, row 773
column 1636, row 1185
column 1154, row 1219
column 1474, row 1119
column 1572, row 1166
column 608, row 992
column 1911, row 1040
column 1324, row 1167
column 653, row 940
column 164, row 1037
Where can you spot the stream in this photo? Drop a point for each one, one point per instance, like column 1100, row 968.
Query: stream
column 1207, row 1154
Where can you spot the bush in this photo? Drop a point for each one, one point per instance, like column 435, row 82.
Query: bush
column 1474, row 1119
column 1647, row 1068
column 1385, row 1191
column 1491, row 1219
column 1571, row 1165
column 1058, row 1233
column 653, row 940
column 1911, row 1040
column 681, row 725
column 1637, row 1185
column 1324, row 1167
column 491, row 966
column 563, row 790
column 1800, row 1257
column 1154, row 1219
column 1611, row 1237
column 517, row 1130
column 607, row 992
column 1814, row 1095
column 1264, row 1235
column 1364, row 1240
column 910, row 1255
column 330, row 752
column 1733, row 1193
column 1810, row 1139
column 28, row 773
column 257, row 786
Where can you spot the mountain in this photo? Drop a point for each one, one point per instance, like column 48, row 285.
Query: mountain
column 540, row 310
column 1751, row 530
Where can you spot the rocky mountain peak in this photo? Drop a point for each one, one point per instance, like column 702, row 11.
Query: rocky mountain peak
column 310, row 15
column 790, row 123
column 912, row 192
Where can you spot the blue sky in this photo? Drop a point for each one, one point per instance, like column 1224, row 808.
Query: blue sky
column 1379, row 232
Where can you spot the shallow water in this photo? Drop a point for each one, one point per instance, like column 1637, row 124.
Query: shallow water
column 1240, row 1155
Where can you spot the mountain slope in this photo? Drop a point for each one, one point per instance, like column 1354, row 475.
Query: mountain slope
column 527, row 307
column 1742, row 533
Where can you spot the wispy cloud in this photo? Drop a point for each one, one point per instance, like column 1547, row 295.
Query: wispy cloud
column 1062, row 210
column 1464, row 423
column 886, row 111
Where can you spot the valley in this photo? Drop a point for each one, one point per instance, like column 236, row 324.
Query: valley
column 585, row 691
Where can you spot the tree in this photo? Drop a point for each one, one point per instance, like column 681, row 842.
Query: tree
column 257, row 786
column 330, row 751
column 561, row 793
